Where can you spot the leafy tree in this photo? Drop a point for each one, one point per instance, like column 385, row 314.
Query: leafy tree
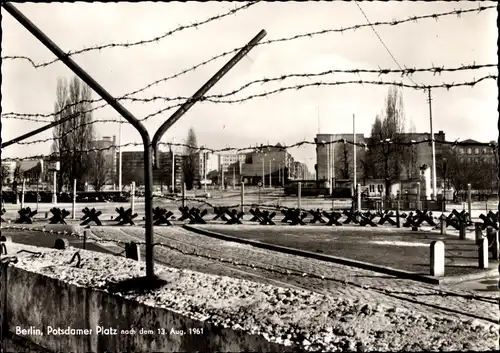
column 191, row 160
column 74, row 135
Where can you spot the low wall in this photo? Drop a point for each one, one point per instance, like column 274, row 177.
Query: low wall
column 37, row 302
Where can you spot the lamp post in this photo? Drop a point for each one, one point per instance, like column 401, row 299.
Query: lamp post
column 270, row 175
column 263, row 175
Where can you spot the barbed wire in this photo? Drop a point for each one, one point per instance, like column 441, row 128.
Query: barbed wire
column 435, row 16
column 261, row 148
column 213, row 98
column 216, row 98
column 133, row 44
column 303, row 35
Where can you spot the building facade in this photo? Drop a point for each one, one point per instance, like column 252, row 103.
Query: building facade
column 269, row 165
column 133, row 169
column 336, row 160
column 107, row 146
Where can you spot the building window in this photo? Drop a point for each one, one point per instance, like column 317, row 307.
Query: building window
column 476, row 151
column 484, row 151
column 461, row 151
column 469, row 150
column 372, row 188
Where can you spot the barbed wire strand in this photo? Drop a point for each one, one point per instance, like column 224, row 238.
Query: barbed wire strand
column 381, row 41
column 137, row 43
column 284, row 39
column 261, row 148
column 216, row 98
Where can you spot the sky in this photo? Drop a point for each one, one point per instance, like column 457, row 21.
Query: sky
column 287, row 117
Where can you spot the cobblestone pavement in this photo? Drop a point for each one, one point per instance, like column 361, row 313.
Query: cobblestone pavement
column 236, row 260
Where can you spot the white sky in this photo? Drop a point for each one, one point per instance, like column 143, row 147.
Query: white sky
column 287, row 117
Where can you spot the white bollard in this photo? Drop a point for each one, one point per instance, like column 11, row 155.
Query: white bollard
column 437, row 258
column 358, row 191
column 132, row 197
column 483, row 253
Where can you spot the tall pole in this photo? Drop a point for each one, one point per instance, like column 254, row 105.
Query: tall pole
column 279, row 173
column 173, row 170
column 205, row 172
column 120, row 156
column 270, row 173
column 328, row 167
column 434, row 195
column 54, row 194
column 354, row 151
column 73, row 215
column 222, row 177
column 263, row 176
column 37, row 192
column 234, row 177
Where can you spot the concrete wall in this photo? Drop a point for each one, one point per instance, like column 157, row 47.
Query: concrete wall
column 36, row 301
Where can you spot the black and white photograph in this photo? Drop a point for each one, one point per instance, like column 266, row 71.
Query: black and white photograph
column 254, row 176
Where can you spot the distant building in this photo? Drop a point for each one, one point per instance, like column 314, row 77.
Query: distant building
column 273, row 162
column 208, row 163
column 335, row 160
column 133, row 169
column 107, row 146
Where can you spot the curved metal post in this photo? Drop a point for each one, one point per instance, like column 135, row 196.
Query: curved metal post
column 148, row 170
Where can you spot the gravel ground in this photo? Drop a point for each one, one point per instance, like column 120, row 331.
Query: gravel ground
column 313, row 321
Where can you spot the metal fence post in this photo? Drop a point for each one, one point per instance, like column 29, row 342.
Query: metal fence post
column 74, row 199
column 418, row 196
column 469, row 200
column 54, row 194
column 22, row 193
column 150, row 146
column 242, row 190
column 358, row 195
column 183, row 194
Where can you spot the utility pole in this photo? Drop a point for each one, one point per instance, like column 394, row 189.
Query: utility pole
column 234, row 177
column 173, row 169
column 354, row 152
column 434, row 194
column 263, row 176
column 120, row 156
column 328, row 166
column 270, row 173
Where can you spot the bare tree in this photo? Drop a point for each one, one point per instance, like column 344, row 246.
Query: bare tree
column 345, row 161
column 100, row 171
column 75, row 135
column 191, row 160
column 385, row 154
column 5, row 174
